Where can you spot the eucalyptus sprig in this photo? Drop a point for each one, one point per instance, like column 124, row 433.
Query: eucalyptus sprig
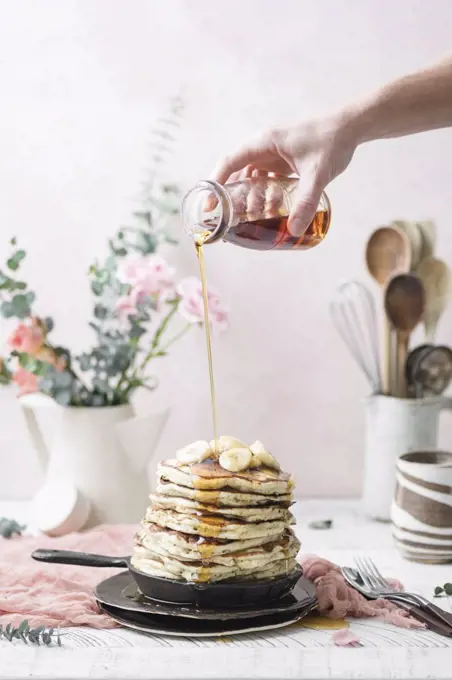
column 9, row 528
column 443, row 591
column 32, row 636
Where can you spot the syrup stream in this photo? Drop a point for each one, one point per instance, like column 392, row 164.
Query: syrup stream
column 200, row 255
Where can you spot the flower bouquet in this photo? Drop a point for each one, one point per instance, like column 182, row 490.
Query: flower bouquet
column 137, row 302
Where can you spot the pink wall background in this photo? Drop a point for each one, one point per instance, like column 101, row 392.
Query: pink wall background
column 82, row 83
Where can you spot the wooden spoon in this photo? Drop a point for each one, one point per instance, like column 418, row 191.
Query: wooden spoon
column 387, row 253
column 428, row 238
column 404, row 306
column 437, row 280
column 415, row 238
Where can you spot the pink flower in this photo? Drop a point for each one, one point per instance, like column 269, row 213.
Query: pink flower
column 27, row 339
column 26, row 381
column 151, row 274
column 191, row 305
column 125, row 307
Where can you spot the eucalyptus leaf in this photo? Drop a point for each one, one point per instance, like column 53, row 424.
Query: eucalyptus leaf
column 146, row 243
column 7, row 310
column 100, row 312
column 84, row 361
column 48, row 322
column 63, row 397
column 12, row 264
column 100, row 385
column 63, row 380
column 21, row 305
column 9, row 527
column 120, row 251
column 136, row 331
column 96, row 288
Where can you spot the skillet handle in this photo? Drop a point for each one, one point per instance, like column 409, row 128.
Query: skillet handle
column 79, row 559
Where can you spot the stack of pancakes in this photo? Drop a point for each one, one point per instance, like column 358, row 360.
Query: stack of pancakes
column 207, row 524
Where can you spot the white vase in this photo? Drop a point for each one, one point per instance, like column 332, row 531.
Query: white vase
column 394, row 427
column 104, row 452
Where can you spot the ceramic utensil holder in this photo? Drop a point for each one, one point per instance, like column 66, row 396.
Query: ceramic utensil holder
column 394, row 427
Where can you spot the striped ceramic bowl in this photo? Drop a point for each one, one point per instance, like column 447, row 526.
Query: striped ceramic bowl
column 421, row 512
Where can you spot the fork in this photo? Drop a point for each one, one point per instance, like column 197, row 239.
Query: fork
column 380, row 587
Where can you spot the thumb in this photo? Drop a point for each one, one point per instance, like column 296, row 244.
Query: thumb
column 305, row 203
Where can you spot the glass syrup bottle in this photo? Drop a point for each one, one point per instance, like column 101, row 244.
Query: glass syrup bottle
column 251, row 213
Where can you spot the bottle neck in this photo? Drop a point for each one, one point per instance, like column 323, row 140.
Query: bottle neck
column 207, row 212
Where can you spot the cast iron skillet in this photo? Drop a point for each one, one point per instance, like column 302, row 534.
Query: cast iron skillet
column 228, row 594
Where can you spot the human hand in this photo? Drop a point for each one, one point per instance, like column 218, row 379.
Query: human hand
column 317, row 151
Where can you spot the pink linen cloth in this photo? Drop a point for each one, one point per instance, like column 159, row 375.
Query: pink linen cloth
column 337, row 599
column 61, row 595
column 57, row 594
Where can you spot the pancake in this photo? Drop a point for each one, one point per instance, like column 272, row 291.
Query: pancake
column 186, row 506
column 209, row 475
column 228, row 498
column 189, row 571
column 192, row 547
column 209, row 551
column 211, row 526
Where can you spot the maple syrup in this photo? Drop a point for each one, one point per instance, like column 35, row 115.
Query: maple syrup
column 199, row 243
column 272, row 233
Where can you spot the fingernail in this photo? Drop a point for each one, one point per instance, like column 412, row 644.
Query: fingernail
column 296, row 227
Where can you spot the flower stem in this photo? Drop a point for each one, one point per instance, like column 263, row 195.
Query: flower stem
column 158, row 334
column 175, row 338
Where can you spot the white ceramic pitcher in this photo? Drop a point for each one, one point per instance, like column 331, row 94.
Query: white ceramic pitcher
column 104, row 452
column 394, row 427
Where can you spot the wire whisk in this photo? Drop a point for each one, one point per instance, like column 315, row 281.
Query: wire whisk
column 354, row 315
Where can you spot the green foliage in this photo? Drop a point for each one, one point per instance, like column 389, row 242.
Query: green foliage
column 443, row 591
column 9, row 528
column 14, row 261
column 33, row 636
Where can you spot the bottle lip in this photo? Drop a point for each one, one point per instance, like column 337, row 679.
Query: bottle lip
column 222, row 222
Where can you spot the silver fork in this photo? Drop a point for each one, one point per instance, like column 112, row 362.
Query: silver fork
column 379, row 586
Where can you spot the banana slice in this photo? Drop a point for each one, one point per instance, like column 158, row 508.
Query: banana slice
column 236, row 459
column 194, row 453
column 260, row 454
column 255, row 461
column 225, row 443
column 257, row 447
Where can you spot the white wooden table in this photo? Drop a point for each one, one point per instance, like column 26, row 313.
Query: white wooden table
column 388, row 652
